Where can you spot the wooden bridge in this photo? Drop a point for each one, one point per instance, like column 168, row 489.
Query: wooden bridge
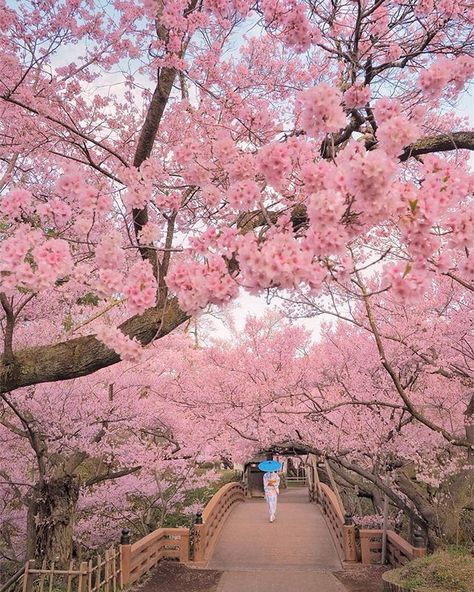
column 300, row 551
column 296, row 552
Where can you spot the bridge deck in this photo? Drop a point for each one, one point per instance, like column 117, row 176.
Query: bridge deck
column 294, row 553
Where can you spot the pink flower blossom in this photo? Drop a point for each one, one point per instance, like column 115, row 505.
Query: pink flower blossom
column 197, row 285
column 128, row 349
column 407, row 283
column 321, row 110
column 15, row 202
column 397, row 133
column 357, row 96
column 140, row 288
column 108, row 253
column 274, row 161
column 243, row 195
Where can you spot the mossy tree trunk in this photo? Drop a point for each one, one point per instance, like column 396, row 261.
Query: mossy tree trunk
column 51, row 517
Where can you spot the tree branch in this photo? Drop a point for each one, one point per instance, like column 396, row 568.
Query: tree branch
column 109, row 476
column 84, row 355
column 442, row 143
column 10, row 324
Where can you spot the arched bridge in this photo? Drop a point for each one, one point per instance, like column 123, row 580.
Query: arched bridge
column 309, row 541
column 296, row 552
column 301, row 550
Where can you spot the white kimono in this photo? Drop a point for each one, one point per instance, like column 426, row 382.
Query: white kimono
column 271, row 486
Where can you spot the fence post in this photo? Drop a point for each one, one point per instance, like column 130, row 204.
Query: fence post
column 349, row 538
column 27, row 580
column 184, row 547
column 83, row 576
column 419, row 546
column 350, row 553
column 107, row 570
column 125, row 558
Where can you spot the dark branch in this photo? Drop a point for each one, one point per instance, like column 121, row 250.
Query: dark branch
column 441, row 143
column 84, row 355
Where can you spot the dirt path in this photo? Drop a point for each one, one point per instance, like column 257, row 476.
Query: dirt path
column 362, row 578
column 174, row 577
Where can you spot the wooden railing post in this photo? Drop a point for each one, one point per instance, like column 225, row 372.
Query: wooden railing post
column 316, row 480
column 419, row 552
column 184, row 547
column 125, row 558
column 199, row 543
column 350, row 553
column 419, row 545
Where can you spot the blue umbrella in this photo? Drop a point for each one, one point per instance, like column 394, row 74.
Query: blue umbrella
column 269, row 466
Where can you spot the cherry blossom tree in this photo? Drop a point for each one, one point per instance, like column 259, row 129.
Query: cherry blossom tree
column 84, row 458
column 159, row 156
column 394, row 424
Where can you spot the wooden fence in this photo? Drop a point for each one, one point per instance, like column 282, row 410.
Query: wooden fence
column 296, row 481
column 101, row 575
column 214, row 516
column 399, row 551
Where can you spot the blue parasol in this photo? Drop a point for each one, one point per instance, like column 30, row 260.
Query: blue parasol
column 269, row 466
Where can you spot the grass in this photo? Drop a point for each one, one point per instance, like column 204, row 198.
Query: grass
column 451, row 570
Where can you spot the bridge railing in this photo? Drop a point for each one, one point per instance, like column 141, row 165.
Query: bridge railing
column 296, row 481
column 343, row 534
column 399, row 551
column 142, row 556
column 214, row 516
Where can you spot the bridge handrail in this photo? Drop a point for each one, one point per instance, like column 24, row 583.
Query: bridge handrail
column 142, row 556
column 214, row 516
column 343, row 534
column 399, row 551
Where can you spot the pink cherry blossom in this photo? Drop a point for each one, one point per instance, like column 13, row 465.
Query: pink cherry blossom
column 321, row 110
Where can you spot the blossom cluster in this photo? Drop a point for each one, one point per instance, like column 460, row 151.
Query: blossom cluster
column 280, row 261
column 198, row 284
column 321, row 110
column 140, row 288
column 33, row 262
column 128, row 349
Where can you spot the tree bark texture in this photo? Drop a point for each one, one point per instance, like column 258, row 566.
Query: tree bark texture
column 52, row 513
column 84, row 355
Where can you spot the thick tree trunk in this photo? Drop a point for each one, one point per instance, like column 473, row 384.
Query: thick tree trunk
column 84, row 355
column 51, row 517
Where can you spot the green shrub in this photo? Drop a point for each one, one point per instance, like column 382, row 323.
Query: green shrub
column 451, row 570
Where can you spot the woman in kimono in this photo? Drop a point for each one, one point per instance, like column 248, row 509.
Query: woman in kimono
column 271, row 486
